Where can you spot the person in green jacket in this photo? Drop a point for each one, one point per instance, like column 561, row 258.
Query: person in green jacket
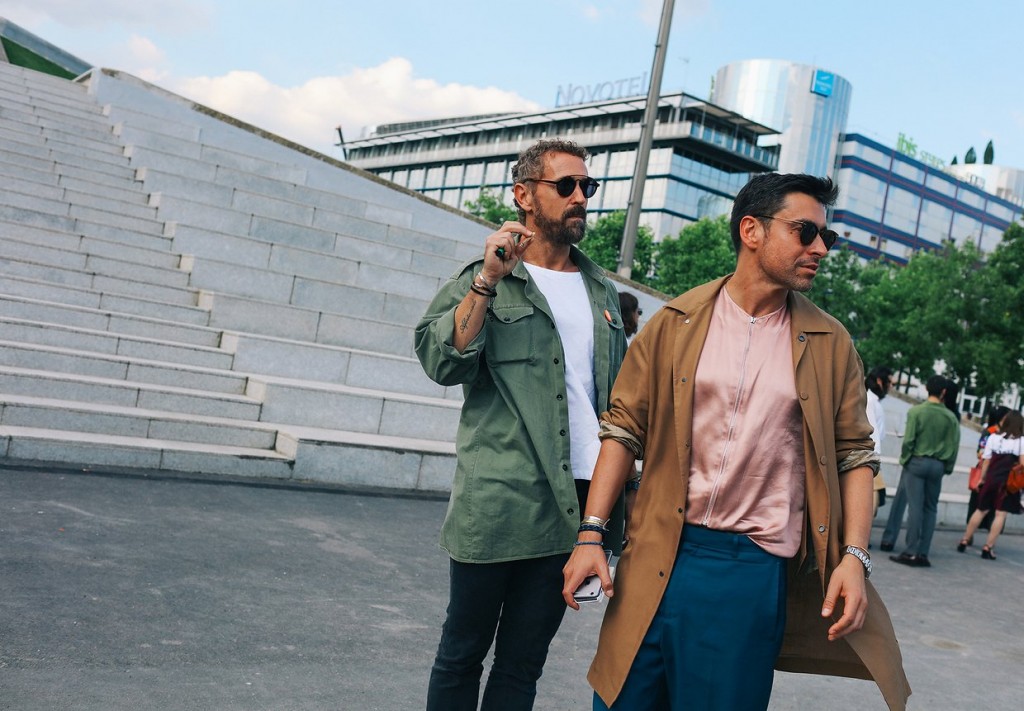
column 931, row 442
column 532, row 332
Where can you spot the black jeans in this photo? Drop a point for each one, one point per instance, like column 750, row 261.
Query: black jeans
column 520, row 600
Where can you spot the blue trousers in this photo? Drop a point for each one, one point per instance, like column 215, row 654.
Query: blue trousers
column 517, row 605
column 712, row 644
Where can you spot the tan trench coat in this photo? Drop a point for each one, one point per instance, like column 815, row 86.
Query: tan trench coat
column 653, row 399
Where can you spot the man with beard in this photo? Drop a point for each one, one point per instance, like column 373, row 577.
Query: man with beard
column 747, row 404
column 532, row 332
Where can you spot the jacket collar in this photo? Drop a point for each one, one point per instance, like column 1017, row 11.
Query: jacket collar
column 805, row 317
column 582, row 261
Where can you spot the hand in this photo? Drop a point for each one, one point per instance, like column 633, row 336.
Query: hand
column 585, row 561
column 513, row 238
column 847, row 582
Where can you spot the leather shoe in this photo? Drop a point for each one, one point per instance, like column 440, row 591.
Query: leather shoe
column 886, row 547
column 914, row 561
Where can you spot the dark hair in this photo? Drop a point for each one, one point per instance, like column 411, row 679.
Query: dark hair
column 949, row 398
column 996, row 414
column 871, row 380
column 1012, row 425
column 935, row 385
column 629, row 307
column 766, row 193
column 531, row 161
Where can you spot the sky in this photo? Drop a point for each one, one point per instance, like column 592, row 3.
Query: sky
column 946, row 74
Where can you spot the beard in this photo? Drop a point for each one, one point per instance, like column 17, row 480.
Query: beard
column 566, row 231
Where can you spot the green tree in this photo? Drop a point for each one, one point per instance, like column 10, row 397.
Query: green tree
column 703, row 251
column 990, row 154
column 971, row 156
column 998, row 340
column 490, row 207
column 837, row 286
column 953, row 162
column 603, row 241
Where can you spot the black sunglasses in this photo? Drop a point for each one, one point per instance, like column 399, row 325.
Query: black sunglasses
column 567, row 186
column 808, row 231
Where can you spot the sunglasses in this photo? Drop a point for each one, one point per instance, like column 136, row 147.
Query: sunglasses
column 567, row 186
column 808, row 231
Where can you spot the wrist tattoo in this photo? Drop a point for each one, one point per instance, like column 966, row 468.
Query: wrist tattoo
column 464, row 324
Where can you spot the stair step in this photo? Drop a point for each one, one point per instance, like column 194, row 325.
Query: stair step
column 123, row 368
column 89, row 298
column 120, row 323
column 110, row 391
column 95, row 451
column 42, row 413
column 89, row 340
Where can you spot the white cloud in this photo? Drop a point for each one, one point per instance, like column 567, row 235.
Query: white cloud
column 146, row 60
column 592, row 12
column 164, row 14
column 308, row 114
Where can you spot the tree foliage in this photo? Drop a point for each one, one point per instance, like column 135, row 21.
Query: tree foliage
column 603, row 242
column 970, row 156
column 490, row 207
column 990, row 154
column 701, row 252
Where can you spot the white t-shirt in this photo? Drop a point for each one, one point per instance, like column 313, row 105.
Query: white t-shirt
column 876, row 416
column 1001, row 444
column 567, row 297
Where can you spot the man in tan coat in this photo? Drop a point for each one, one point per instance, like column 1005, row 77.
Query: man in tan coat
column 747, row 544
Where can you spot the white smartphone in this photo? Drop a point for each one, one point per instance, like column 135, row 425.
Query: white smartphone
column 590, row 589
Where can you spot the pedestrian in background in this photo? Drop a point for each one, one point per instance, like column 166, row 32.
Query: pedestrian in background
column 995, row 416
column 1002, row 450
column 878, row 382
column 931, row 442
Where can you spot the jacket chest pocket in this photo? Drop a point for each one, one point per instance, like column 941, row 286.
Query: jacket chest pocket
column 509, row 334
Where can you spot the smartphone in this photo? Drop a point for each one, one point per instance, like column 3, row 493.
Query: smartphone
column 590, row 589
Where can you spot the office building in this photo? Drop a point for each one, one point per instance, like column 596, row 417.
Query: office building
column 702, row 155
column 892, row 204
column 807, row 105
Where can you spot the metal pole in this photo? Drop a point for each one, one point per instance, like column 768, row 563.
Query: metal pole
column 643, row 151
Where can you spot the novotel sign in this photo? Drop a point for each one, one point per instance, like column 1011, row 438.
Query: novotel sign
column 572, row 94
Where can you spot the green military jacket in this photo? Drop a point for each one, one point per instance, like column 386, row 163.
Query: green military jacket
column 513, row 495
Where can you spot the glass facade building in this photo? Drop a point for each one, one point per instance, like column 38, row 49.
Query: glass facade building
column 807, row 105
column 701, row 155
column 891, row 205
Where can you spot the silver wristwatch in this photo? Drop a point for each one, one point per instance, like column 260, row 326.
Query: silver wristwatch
column 861, row 555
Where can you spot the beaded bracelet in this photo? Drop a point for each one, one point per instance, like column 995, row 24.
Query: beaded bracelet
column 588, row 543
column 592, row 527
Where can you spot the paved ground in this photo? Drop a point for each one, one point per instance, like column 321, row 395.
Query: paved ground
column 146, row 593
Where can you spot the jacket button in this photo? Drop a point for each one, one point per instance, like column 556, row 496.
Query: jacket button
column 556, row 361
column 661, row 573
column 571, row 511
column 821, row 529
column 561, row 432
column 802, row 338
column 559, row 396
column 686, row 321
column 505, row 319
column 804, row 396
column 565, row 467
column 683, row 380
column 822, row 460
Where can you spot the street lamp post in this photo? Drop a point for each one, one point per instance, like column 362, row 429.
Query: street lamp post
column 643, row 152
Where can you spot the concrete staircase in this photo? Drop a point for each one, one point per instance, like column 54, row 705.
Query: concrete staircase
column 181, row 291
